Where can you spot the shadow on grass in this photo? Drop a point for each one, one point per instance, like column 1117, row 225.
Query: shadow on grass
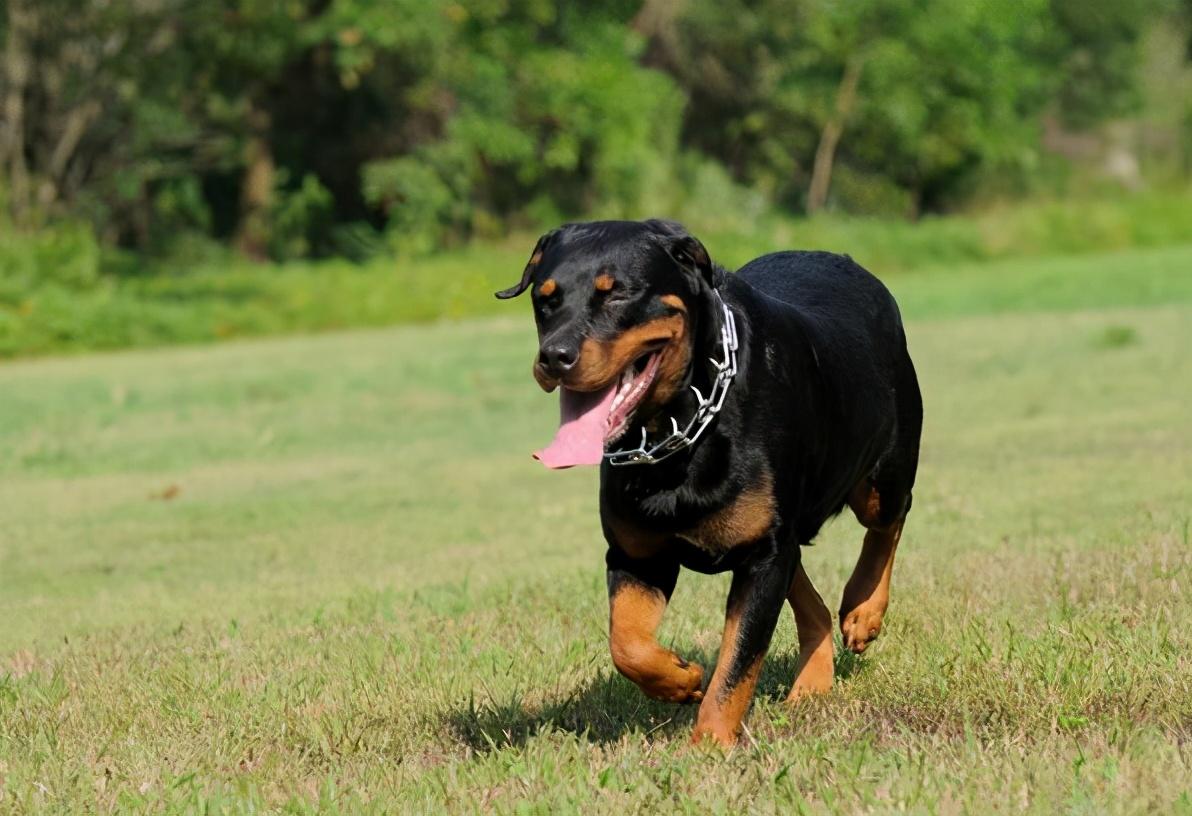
column 609, row 707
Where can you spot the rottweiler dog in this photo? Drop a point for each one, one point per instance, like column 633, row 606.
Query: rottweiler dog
column 731, row 416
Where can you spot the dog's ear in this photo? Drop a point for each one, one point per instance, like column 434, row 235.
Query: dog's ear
column 528, row 272
column 685, row 250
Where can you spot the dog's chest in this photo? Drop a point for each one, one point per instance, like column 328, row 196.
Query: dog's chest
column 743, row 520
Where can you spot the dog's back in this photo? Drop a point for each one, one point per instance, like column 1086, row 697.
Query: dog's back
column 831, row 291
column 867, row 383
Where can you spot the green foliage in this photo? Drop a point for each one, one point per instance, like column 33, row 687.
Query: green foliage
column 286, row 128
column 423, row 195
column 299, row 219
column 1098, row 50
column 67, row 255
column 944, row 89
column 1022, row 230
column 548, row 108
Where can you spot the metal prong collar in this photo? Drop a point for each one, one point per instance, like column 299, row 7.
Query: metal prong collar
column 706, row 407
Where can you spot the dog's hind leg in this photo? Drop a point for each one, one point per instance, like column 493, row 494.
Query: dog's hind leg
column 881, row 503
column 867, row 593
column 814, row 622
column 638, row 591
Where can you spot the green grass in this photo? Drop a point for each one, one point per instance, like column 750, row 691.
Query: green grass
column 55, row 297
column 322, row 574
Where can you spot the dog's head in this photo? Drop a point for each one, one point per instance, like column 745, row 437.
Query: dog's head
column 614, row 303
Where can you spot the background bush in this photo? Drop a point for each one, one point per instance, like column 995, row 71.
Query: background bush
column 219, row 295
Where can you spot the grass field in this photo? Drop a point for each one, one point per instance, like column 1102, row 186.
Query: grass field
column 322, row 574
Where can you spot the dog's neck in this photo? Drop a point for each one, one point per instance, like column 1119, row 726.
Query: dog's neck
column 706, row 346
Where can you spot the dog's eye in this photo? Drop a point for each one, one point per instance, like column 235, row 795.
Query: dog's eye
column 546, row 296
column 616, row 295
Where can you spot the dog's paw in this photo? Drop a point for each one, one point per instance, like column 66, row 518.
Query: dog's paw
column 815, row 674
column 684, row 683
column 714, row 735
column 861, row 627
column 689, row 685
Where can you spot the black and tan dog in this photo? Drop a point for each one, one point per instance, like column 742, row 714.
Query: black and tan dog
column 732, row 415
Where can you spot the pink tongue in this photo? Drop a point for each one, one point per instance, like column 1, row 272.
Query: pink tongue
column 583, row 421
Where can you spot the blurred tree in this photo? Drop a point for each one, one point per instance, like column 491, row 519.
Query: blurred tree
column 73, row 74
column 929, row 89
column 302, row 127
column 1098, row 51
column 548, row 114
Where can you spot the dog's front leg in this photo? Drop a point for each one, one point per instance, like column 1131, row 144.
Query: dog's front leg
column 755, row 601
column 638, row 591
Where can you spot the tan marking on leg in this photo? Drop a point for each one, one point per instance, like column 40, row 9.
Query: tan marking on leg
column 635, row 613
column 814, row 621
column 866, row 504
column 723, row 709
column 867, row 593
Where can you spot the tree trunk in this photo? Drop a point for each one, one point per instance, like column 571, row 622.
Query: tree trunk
column 18, row 68
column 54, row 182
column 657, row 22
column 825, row 153
column 256, row 192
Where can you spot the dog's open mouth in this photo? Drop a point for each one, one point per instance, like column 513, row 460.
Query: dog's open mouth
column 591, row 420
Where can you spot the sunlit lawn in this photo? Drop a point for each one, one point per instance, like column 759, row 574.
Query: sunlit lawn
column 323, row 574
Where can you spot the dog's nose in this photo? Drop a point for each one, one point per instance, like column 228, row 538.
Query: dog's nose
column 556, row 360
